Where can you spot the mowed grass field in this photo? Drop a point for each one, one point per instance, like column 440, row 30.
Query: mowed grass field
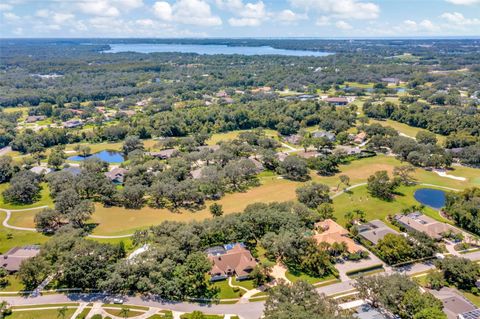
column 406, row 129
column 113, row 221
column 45, row 199
column 40, row 314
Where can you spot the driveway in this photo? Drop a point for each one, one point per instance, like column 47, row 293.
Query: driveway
column 348, row 266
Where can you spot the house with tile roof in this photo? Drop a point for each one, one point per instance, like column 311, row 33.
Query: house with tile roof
column 231, row 260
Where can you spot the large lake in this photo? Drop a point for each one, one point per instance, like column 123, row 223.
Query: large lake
column 208, row 49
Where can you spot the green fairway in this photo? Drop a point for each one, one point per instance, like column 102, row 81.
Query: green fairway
column 10, row 238
column 375, row 208
column 406, row 129
column 44, row 200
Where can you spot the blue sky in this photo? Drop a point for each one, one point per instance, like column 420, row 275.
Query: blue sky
column 239, row 18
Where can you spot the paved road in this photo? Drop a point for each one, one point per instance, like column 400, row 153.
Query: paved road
column 251, row 310
column 5, row 150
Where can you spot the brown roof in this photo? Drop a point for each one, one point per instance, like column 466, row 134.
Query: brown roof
column 334, row 233
column 423, row 223
column 307, row 154
column 116, row 174
column 336, row 100
column 164, row 154
column 236, row 261
column 12, row 259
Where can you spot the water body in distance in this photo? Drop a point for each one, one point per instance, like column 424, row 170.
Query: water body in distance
column 106, row 156
column 208, row 49
column 430, row 197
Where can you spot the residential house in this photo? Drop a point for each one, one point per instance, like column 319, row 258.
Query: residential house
column 231, row 260
column 360, row 138
column 117, row 175
column 330, row 232
column 328, row 135
column 419, row 222
column 40, row 170
column 393, row 81
column 366, row 311
column 263, row 89
column 281, row 156
column 212, row 148
column 13, row 258
column 308, row 154
column 164, row 154
column 348, row 149
column 221, row 94
column 374, row 231
column 472, row 314
column 72, row 123
column 454, row 304
column 75, row 171
column 258, row 165
column 35, row 118
column 293, row 139
column 337, row 101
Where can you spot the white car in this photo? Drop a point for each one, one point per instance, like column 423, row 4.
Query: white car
column 117, row 300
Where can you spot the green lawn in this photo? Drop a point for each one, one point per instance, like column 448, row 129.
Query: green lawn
column 14, row 284
column 226, row 292
column 44, row 200
column 188, row 316
column 247, row 284
column 39, row 314
column 294, row 277
column 118, row 313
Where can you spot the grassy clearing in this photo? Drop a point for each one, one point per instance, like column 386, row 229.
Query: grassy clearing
column 119, row 313
column 406, row 129
column 376, row 208
column 39, row 314
column 59, row 305
column 294, row 277
column 44, row 200
column 228, row 136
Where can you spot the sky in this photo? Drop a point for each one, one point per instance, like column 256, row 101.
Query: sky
column 239, row 18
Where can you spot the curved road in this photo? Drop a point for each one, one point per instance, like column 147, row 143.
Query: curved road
column 9, row 211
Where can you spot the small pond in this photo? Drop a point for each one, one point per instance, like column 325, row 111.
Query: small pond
column 430, row 197
column 107, row 156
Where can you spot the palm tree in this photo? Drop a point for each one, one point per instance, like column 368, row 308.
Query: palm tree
column 124, row 312
column 62, row 312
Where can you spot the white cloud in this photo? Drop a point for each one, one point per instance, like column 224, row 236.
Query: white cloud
column 245, row 14
column 323, row 21
column 145, row 22
column 130, row 4
column 458, row 19
column 101, row 8
column 464, row 2
column 163, row 10
column 42, row 13
column 11, row 17
column 194, row 12
column 410, row 26
column 5, row 7
column 61, row 18
column 288, row 16
column 343, row 25
column 346, row 9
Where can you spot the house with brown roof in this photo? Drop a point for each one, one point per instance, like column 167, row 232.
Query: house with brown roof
column 13, row 258
column 164, row 154
column 35, row 118
column 338, row 101
column 231, row 260
column 422, row 223
column 360, row 138
column 117, row 175
column 330, row 232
